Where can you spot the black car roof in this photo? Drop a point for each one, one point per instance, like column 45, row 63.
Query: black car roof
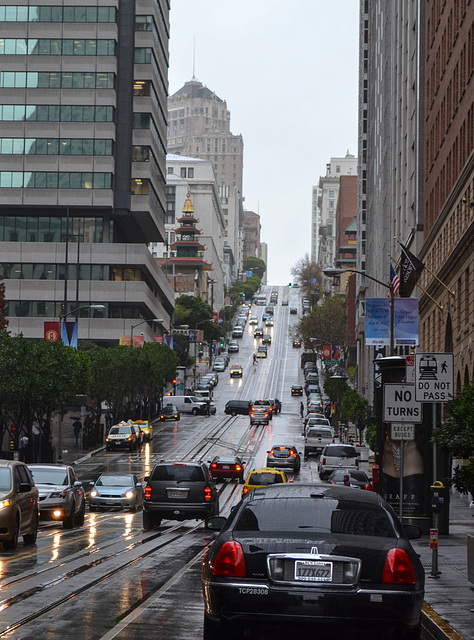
column 316, row 490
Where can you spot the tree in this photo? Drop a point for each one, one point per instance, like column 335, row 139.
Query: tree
column 456, row 436
column 335, row 389
column 326, row 323
column 308, row 276
column 3, row 306
column 356, row 409
column 255, row 265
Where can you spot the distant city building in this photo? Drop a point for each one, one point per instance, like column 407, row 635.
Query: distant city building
column 251, row 230
column 199, row 127
column 315, row 223
column 329, row 186
column 193, row 176
column 82, row 166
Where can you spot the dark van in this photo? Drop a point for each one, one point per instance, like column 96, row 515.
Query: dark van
column 238, row 407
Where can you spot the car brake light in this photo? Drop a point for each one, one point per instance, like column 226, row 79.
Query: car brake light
column 398, row 568
column 230, row 560
column 292, row 454
column 214, row 465
column 207, row 493
column 238, row 467
column 272, row 452
column 147, row 493
column 357, row 462
column 245, row 490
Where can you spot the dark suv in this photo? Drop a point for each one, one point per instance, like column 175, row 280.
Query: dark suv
column 179, row 491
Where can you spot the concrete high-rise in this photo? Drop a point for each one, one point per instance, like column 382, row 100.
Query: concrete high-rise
column 83, row 164
column 199, row 127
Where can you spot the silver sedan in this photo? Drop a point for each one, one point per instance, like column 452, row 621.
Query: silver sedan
column 116, row 491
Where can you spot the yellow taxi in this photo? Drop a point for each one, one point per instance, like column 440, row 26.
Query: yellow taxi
column 262, row 478
column 146, row 428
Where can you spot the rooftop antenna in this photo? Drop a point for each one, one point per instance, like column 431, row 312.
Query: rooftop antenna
column 194, row 58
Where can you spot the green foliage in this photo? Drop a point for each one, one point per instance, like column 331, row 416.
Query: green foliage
column 256, row 265
column 456, row 434
column 326, row 323
column 194, row 312
column 371, row 437
column 463, row 478
column 335, row 389
column 308, row 275
column 354, row 407
column 3, row 307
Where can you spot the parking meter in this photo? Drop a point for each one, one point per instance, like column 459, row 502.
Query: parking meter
column 438, row 497
column 375, row 476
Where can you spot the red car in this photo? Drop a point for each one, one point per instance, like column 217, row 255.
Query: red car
column 223, row 467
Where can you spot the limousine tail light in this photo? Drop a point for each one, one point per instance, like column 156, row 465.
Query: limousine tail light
column 398, row 568
column 230, row 561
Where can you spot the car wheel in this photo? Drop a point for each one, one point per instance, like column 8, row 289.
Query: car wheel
column 12, row 543
column 150, row 520
column 233, row 413
column 216, row 630
column 30, row 538
column 68, row 522
column 79, row 520
column 195, row 411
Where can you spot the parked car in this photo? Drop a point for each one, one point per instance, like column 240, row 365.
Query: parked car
column 233, row 346
column 61, row 494
column 335, row 456
column 298, row 557
column 259, row 415
column 206, row 383
column 284, row 456
column 179, row 491
column 296, row 390
column 219, row 365
column 121, row 436
column 222, row 467
column 170, row 412
column 236, row 371
column 357, row 479
column 113, row 490
column 19, row 504
column 237, row 332
column 253, row 320
column 263, row 478
column 238, row 407
column 146, row 428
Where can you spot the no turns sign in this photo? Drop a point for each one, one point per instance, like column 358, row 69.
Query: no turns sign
column 399, row 404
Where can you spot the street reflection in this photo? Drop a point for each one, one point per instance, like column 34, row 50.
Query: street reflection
column 55, row 552
column 92, row 531
column 128, row 525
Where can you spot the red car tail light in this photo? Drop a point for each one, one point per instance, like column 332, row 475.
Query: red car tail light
column 292, row 454
column 398, row 568
column 214, row 465
column 230, row 561
column 238, row 467
column 207, row 493
column 245, row 490
column 357, row 462
column 147, row 495
column 272, row 452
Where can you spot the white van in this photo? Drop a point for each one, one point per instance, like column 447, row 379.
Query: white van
column 190, row 404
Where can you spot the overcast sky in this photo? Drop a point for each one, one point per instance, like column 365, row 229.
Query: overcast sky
column 288, row 72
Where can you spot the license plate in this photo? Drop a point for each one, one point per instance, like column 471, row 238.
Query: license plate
column 176, row 494
column 313, row 571
column 225, row 466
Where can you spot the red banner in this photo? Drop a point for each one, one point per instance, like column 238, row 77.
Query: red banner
column 327, row 352
column 51, row 332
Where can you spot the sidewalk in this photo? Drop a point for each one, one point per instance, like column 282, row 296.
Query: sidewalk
column 449, row 598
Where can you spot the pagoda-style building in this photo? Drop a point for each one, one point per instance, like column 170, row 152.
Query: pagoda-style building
column 186, row 265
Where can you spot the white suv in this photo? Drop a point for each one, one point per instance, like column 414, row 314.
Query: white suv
column 336, row 456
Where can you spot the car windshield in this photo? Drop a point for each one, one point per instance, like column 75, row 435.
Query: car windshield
column 264, row 478
column 178, row 473
column 341, row 451
column 319, row 433
column 119, row 430
column 316, row 515
column 5, row 479
column 114, row 481
column 49, row 476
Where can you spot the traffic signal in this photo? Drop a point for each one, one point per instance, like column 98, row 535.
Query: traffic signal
column 243, row 295
column 289, row 285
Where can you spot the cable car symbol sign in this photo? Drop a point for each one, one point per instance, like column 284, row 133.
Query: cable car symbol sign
column 434, row 377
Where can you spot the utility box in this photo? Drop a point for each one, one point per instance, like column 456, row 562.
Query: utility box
column 470, row 558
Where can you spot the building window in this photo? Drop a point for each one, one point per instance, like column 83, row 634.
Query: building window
column 56, row 80
column 191, row 172
column 54, row 180
column 14, row 13
column 56, row 47
column 183, row 172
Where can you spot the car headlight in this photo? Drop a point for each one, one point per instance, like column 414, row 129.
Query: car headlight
column 94, row 493
column 129, row 495
column 4, row 504
column 59, row 494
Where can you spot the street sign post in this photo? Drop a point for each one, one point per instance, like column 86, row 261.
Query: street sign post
column 399, row 404
column 434, row 377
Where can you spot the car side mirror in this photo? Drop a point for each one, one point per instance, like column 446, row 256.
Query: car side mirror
column 25, row 487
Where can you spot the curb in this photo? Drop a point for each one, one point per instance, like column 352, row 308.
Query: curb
column 437, row 628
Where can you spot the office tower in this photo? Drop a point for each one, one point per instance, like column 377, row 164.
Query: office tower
column 83, row 164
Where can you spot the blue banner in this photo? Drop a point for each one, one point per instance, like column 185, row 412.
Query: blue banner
column 377, row 321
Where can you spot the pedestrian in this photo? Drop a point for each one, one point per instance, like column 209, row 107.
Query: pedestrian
column 301, row 409
column 77, row 426
column 22, row 446
column 36, row 442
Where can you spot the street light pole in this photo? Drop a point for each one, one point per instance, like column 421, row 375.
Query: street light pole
column 133, row 326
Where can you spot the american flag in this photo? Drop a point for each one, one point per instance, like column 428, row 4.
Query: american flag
column 395, row 280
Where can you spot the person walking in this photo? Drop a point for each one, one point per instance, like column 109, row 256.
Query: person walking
column 301, row 409
column 77, row 426
column 23, row 444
